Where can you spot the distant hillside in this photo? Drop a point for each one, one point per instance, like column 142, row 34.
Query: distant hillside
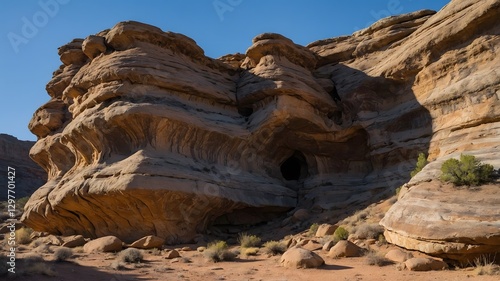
column 29, row 176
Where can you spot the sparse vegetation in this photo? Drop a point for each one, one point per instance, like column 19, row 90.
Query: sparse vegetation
column 369, row 231
column 219, row 251
column 274, row 248
column 130, row 255
column 374, row 258
column 62, row 254
column 313, row 229
column 466, row 171
column 155, row 252
column 252, row 251
column 247, row 240
column 340, row 234
column 23, row 235
column 486, row 266
column 421, row 162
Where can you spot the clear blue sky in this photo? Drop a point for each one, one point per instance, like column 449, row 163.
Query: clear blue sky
column 32, row 30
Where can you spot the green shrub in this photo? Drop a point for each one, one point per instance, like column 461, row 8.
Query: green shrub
column 313, row 229
column 421, row 162
column 247, row 241
column 340, row 234
column 218, row 251
column 274, row 248
column 467, row 171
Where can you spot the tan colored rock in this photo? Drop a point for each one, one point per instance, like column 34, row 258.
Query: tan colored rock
column 425, row 264
column 325, row 230
column 328, row 245
column 103, row 244
column 52, row 240
column 460, row 224
column 312, row 246
column 301, row 258
column 148, row 242
column 201, row 249
column 73, row 241
column 398, row 255
column 145, row 122
column 93, row 46
column 344, row 248
column 172, row 254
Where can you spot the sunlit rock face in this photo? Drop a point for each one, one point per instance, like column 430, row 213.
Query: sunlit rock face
column 145, row 135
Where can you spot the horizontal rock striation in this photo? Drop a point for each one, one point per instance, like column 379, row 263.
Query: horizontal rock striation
column 145, row 135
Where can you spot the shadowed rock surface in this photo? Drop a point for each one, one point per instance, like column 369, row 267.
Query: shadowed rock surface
column 29, row 176
column 145, row 135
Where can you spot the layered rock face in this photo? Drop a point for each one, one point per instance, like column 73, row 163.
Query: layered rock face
column 145, row 135
column 29, row 176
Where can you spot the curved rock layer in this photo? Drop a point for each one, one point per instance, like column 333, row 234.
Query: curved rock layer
column 441, row 220
column 145, row 135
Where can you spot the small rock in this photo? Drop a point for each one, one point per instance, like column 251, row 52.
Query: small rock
column 345, row 248
column 186, row 249
column 326, row 229
column 148, row 242
column 201, row 249
column 312, row 246
column 103, row 244
column 172, row 254
column 425, row 264
column 52, row 240
column 398, row 255
column 370, row 241
column 300, row 258
column 328, row 245
column 73, row 241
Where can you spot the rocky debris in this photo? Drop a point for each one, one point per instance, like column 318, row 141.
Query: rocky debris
column 398, row 255
column 345, row 248
column 93, row 46
column 73, row 241
column 103, row 244
column 300, row 258
column 148, row 242
column 425, row 264
column 29, row 176
column 460, row 224
column 325, row 229
column 131, row 138
column 172, row 254
column 52, row 240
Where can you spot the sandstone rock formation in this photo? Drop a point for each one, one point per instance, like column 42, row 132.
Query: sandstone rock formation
column 145, row 135
column 29, row 176
column 441, row 220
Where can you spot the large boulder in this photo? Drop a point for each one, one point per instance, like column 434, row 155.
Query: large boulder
column 103, row 244
column 297, row 257
column 441, row 220
column 145, row 135
column 345, row 248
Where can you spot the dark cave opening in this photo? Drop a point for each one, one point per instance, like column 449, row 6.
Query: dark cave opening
column 295, row 167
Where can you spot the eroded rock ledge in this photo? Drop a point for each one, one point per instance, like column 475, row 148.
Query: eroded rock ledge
column 145, row 135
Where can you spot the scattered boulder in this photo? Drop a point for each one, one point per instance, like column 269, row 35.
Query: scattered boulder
column 345, row 248
column 52, row 240
column 328, row 245
column 201, row 249
column 312, row 245
column 103, row 244
column 300, row 258
column 326, row 229
column 148, row 242
column 398, row 255
column 186, row 249
column 425, row 264
column 73, row 241
column 172, row 254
